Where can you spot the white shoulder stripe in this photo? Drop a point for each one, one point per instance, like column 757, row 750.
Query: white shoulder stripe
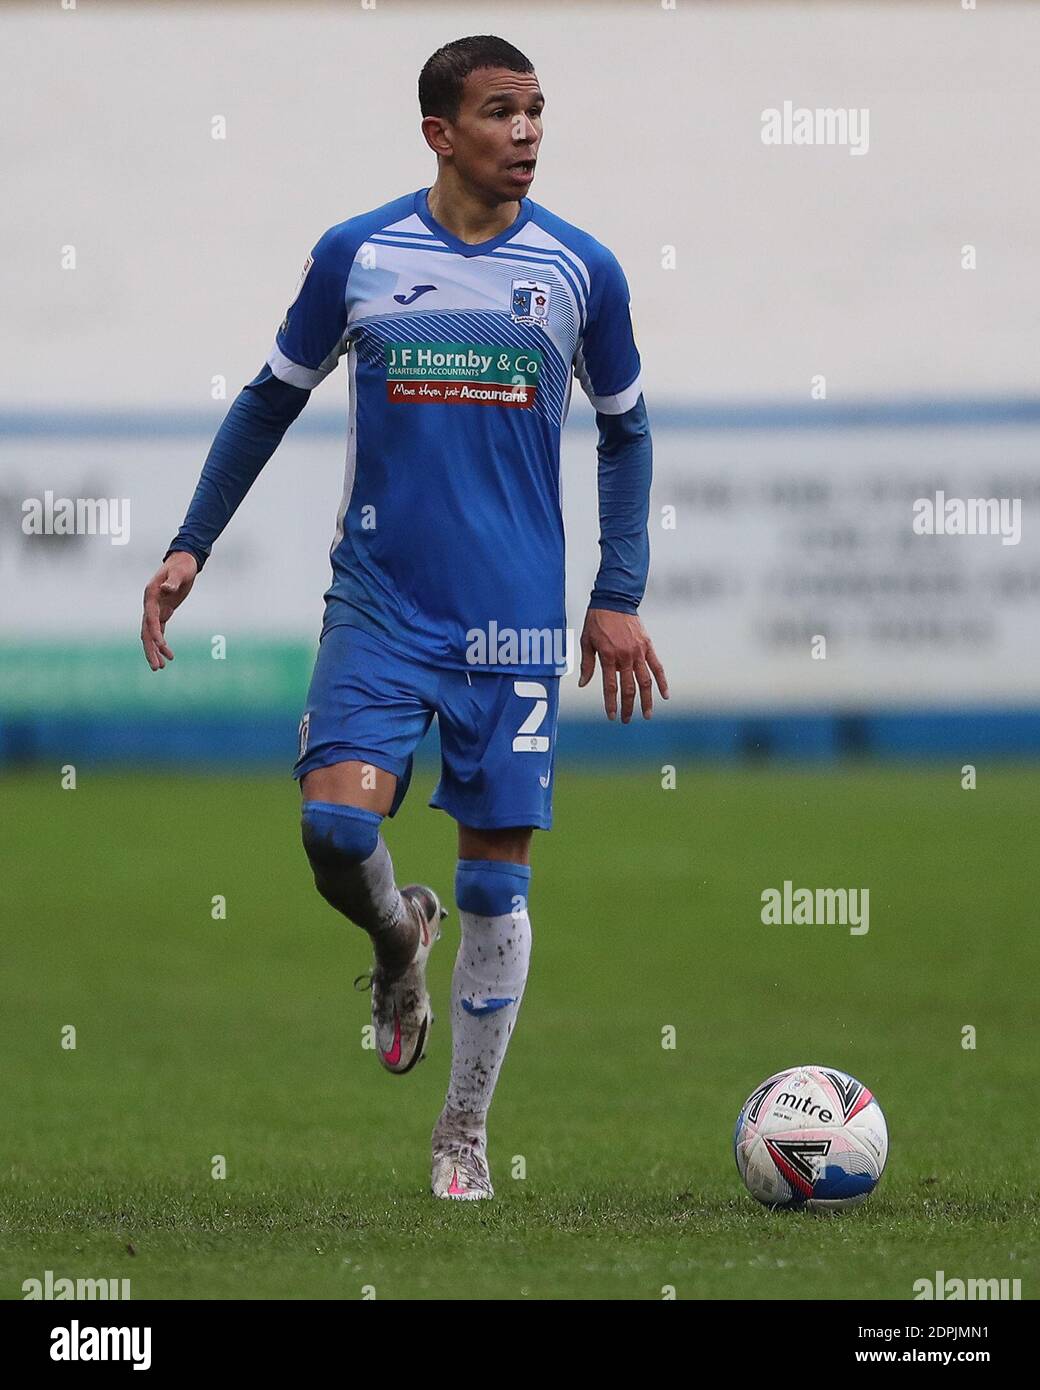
column 535, row 238
column 409, row 239
column 306, row 378
column 408, row 226
column 423, row 235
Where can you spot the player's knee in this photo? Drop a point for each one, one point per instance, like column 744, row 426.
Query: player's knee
column 492, row 887
column 337, row 839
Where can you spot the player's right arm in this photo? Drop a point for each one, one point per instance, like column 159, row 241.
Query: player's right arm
column 307, row 347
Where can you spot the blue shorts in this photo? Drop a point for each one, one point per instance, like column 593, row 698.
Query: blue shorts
column 369, row 704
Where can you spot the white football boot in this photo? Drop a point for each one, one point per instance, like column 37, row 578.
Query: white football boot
column 401, row 1013
column 460, row 1171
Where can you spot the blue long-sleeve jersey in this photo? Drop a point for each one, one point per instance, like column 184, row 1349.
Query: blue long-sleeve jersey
column 460, row 363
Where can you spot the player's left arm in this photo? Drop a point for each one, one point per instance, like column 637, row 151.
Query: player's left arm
column 607, row 365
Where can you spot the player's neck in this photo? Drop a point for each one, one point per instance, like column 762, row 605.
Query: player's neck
column 464, row 214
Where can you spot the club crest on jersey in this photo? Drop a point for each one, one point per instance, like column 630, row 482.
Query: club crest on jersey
column 529, row 302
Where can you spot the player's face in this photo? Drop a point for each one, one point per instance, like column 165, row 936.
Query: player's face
column 499, row 129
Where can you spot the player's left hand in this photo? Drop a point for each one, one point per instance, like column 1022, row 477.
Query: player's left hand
column 624, row 649
column 167, row 589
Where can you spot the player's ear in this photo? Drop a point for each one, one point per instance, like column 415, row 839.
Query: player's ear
column 436, row 134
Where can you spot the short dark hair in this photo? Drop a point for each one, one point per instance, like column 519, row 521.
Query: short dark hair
column 444, row 74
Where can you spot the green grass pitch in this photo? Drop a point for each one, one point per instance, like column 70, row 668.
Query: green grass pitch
column 242, row 1038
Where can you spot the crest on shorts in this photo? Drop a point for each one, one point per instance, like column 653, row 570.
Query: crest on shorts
column 305, row 732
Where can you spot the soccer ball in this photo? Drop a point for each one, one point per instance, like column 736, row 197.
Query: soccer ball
column 811, row 1137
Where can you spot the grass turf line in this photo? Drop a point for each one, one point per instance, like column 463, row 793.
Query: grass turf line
column 242, row 1037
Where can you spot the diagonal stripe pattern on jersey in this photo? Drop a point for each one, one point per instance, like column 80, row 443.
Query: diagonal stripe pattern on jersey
column 451, row 514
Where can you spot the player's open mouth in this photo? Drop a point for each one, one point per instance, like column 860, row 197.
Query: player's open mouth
column 523, row 169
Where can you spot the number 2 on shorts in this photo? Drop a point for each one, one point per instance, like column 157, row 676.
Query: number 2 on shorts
column 527, row 738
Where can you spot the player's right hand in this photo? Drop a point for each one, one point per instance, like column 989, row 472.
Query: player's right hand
column 167, row 589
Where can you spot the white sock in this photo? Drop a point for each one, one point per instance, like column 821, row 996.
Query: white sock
column 487, row 988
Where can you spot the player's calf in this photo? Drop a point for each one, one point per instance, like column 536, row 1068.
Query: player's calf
column 488, row 985
column 353, row 872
